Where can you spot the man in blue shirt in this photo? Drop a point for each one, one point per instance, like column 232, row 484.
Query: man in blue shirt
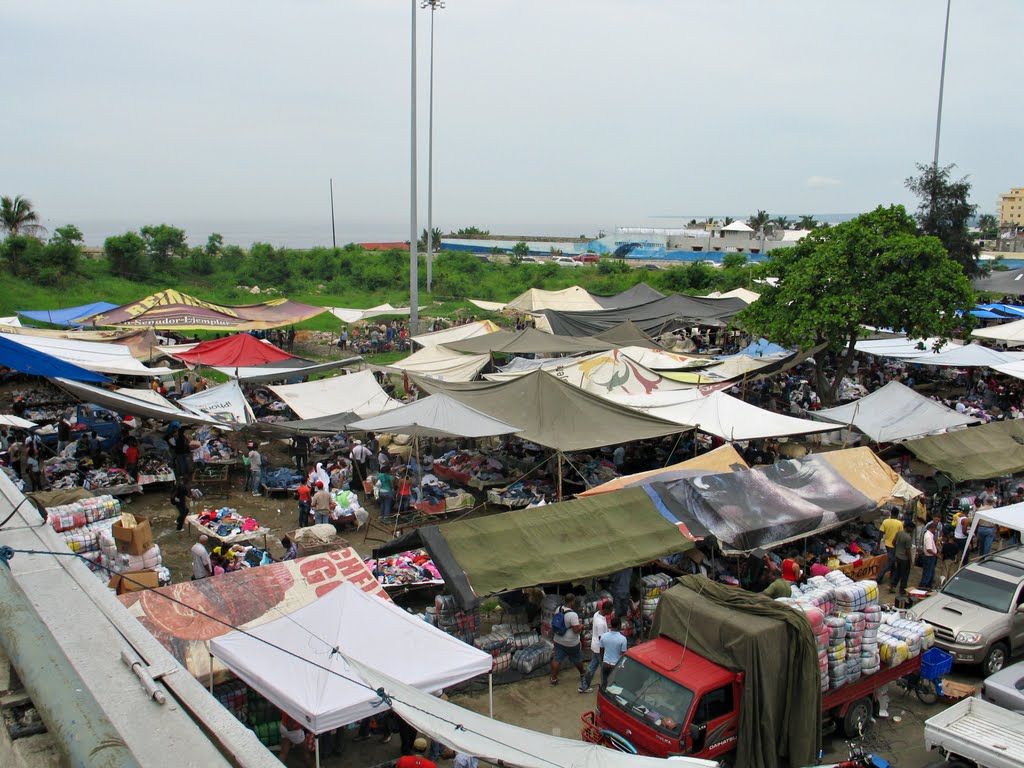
column 613, row 647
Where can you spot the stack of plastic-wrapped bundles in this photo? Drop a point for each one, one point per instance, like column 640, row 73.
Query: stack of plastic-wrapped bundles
column 654, row 585
column 853, row 636
column 80, row 524
column 516, row 646
column 448, row 617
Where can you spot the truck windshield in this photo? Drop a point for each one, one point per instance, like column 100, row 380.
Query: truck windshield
column 981, row 589
column 649, row 695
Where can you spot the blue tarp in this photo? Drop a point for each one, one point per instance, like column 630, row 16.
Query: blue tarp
column 64, row 317
column 760, row 348
column 24, row 359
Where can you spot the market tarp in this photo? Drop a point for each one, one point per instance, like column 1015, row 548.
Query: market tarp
column 722, row 459
column 641, row 293
column 125, row 404
column 245, row 599
column 174, row 310
column 760, row 348
column 357, row 392
column 10, row 321
column 10, row 420
column 660, row 360
column 238, row 350
column 572, row 298
column 744, row 294
column 895, row 412
column 500, row 743
column 967, row 356
column 296, row 368
column 381, row 310
column 70, row 317
column 300, row 661
column 1016, row 370
column 553, row 413
column 900, row 347
column 24, row 359
column 772, row 645
column 321, row 425
column 435, row 416
column 654, row 318
column 1009, row 282
column 728, row 417
column 602, row 373
column 976, row 453
column 738, row 367
column 115, row 359
column 528, row 341
column 568, row 541
column 225, row 402
column 455, row 333
column 1009, row 333
column 439, row 362
column 627, row 334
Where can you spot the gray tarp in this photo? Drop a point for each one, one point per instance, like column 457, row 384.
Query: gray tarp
column 334, row 424
column 655, row 317
column 978, row 453
column 119, row 403
column 529, row 341
column 895, row 412
column 627, row 334
column 641, row 293
column 772, row 644
column 554, row 413
column 435, row 416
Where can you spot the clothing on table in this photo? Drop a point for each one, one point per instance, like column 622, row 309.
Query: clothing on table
column 462, row 760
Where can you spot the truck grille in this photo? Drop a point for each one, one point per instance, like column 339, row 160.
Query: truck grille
column 943, row 633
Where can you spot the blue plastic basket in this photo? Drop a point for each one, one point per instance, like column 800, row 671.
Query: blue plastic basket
column 935, row 663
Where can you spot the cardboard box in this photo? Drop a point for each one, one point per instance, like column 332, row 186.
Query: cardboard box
column 133, row 581
column 134, row 541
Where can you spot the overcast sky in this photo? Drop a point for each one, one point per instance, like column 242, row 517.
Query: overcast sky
column 551, row 116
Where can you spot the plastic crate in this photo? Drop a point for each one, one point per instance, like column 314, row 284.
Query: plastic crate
column 935, row 663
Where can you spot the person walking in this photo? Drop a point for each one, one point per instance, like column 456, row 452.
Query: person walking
column 565, row 632
column 201, row 565
column 613, row 648
column 597, row 630
column 304, row 492
column 890, row 527
column 929, row 555
column 902, row 544
column 179, row 500
column 322, row 504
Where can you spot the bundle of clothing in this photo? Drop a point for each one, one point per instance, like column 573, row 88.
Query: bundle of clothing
column 479, row 467
column 522, row 493
column 155, row 464
column 282, row 477
column 226, row 522
column 213, row 446
column 595, row 470
column 238, row 557
column 414, row 567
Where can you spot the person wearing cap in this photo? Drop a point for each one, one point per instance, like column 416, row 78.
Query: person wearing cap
column 322, row 504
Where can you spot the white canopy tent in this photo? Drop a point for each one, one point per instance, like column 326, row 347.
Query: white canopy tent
column 744, row 294
column 435, row 416
column 439, row 362
column 357, row 393
column 274, row 372
column 736, row 226
column 900, row 347
column 501, row 743
column 122, row 403
column 347, row 315
column 1011, row 369
column 225, row 402
column 12, row 320
column 115, row 359
column 896, row 412
column 969, row 355
column 300, row 662
column 571, row 299
column 10, row 420
column 455, row 333
column 1011, row 516
column 728, row 417
column 1008, row 333
column 148, row 395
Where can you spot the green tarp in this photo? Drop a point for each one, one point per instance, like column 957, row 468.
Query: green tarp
column 780, row 711
column 554, row 413
column 975, row 453
column 529, row 341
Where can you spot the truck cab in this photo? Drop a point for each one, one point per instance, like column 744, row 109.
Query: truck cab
column 664, row 708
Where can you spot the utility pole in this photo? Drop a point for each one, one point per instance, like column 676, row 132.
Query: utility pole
column 334, row 236
column 414, row 258
column 942, row 86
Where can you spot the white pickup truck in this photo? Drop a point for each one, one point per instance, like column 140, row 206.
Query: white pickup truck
column 977, row 734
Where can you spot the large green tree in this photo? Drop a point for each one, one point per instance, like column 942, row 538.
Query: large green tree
column 17, row 217
column 945, row 211
column 872, row 271
column 164, row 243
column 127, row 256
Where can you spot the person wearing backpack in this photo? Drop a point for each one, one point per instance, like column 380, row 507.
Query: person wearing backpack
column 565, row 632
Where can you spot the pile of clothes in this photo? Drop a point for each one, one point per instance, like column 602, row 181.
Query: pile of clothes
column 226, row 522
column 414, row 567
column 594, row 469
column 155, row 465
column 282, row 477
column 237, row 557
column 471, row 468
column 522, row 493
column 213, row 446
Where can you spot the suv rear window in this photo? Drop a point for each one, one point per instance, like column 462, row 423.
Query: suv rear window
column 981, row 589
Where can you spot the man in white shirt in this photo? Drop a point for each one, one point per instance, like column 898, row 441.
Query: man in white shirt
column 255, row 469
column 567, row 644
column 929, row 556
column 201, row 567
column 597, row 630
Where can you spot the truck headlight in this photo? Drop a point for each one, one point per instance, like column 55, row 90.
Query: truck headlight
column 912, row 615
column 968, row 638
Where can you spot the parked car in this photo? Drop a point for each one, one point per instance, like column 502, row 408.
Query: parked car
column 978, row 615
column 1005, row 688
column 650, row 266
column 566, row 261
column 587, row 258
column 530, row 260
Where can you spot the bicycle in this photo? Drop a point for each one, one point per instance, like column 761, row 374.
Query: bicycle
column 927, row 684
column 926, row 690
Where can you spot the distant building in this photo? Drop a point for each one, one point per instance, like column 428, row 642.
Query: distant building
column 1011, row 208
column 384, row 246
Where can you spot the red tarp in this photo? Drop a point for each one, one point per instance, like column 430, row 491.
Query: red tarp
column 240, row 350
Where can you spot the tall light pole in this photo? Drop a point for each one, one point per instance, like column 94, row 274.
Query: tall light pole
column 942, row 85
column 414, row 257
column 433, row 5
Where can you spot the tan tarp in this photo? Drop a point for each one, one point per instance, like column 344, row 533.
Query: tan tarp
column 553, row 413
column 975, row 453
column 723, row 459
column 862, row 469
column 572, row 299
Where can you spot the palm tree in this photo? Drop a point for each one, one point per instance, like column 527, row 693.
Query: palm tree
column 781, row 222
column 437, row 239
column 727, row 221
column 759, row 221
column 988, row 225
column 17, row 217
column 806, row 222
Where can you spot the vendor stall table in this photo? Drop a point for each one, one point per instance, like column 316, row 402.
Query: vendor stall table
column 498, row 499
column 212, row 480
column 167, row 477
column 258, row 536
column 462, row 500
column 278, row 490
column 121, row 490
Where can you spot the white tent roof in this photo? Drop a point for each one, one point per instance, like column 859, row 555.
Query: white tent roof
column 441, row 363
column 435, row 416
column 148, row 395
column 896, row 412
column 661, row 360
column 347, row 315
column 736, row 226
column 969, row 355
column 455, row 333
column 743, row 294
column 357, row 393
column 1011, row 369
column 730, row 418
column 273, row 372
column 899, row 347
column 501, row 743
column 488, row 306
column 91, row 355
column 317, row 685
column 1012, row 333
column 10, row 420
column 122, row 403
column 12, row 320
column 571, row 299
column 225, row 402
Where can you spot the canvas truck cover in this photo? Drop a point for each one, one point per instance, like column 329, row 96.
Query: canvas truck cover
column 780, row 716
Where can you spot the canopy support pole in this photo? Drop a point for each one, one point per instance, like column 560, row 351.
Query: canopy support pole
column 316, row 740
column 211, row 674
column 490, row 693
column 558, row 455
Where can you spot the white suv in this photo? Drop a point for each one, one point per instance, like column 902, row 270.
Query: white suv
column 566, row 261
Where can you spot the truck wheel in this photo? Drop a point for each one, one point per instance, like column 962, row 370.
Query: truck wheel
column 857, row 719
column 995, row 659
